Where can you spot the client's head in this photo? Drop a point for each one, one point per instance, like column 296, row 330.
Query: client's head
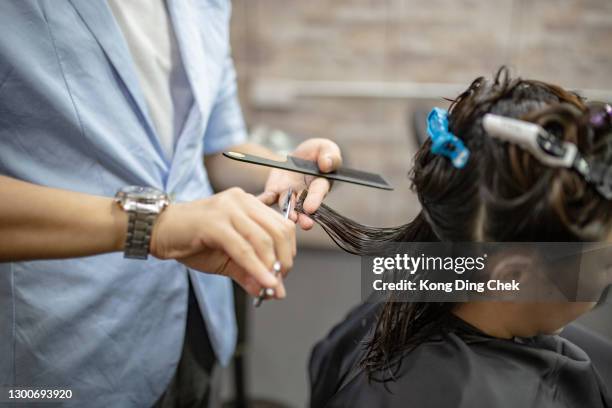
column 502, row 193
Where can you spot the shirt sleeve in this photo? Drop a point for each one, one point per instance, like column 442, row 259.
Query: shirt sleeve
column 226, row 124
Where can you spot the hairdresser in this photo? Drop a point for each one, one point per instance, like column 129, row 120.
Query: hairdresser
column 126, row 302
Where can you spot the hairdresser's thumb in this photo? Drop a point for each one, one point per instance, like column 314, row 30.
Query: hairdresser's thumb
column 329, row 158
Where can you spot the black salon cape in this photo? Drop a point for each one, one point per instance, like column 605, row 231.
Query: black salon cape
column 466, row 369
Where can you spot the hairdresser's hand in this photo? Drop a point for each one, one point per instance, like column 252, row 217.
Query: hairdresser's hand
column 231, row 233
column 327, row 155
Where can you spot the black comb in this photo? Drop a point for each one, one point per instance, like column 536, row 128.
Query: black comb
column 310, row 167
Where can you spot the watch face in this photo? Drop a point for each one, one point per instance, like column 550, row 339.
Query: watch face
column 142, row 193
column 142, row 199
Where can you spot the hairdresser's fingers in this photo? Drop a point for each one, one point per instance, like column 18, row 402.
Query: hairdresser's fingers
column 226, row 267
column 259, row 238
column 294, row 216
column 248, row 283
column 317, row 190
column 305, row 222
column 257, row 207
column 329, row 157
column 251, row 286
column 283, row 240
column 279, row 290
column 243, row 254
column 268, row 197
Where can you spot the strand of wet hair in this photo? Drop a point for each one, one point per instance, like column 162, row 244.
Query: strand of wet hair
column 351, row 236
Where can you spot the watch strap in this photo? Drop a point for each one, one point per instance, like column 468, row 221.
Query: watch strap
column 140, row 226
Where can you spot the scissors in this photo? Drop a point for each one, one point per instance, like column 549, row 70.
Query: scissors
column 269, row 292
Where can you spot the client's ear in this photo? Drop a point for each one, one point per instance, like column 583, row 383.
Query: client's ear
column 512, row 266
column 537, row 282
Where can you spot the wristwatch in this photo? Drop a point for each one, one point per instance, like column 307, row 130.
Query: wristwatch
column 143, row 205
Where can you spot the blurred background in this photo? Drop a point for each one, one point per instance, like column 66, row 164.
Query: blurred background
column 359, row 72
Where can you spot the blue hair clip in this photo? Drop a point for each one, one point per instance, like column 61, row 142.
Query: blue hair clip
column 444, row 142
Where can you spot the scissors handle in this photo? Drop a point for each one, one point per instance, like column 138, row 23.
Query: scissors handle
column 269, row 292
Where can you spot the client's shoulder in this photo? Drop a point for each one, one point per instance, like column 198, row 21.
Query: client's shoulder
column 453, row 371
column 433, row 374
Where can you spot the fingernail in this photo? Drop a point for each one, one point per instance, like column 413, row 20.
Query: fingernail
column 329, row 162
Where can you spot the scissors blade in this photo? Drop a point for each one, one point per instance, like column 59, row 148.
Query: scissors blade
column 287, row 205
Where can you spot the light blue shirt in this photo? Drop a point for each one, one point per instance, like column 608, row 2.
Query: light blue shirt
column 72, row 116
